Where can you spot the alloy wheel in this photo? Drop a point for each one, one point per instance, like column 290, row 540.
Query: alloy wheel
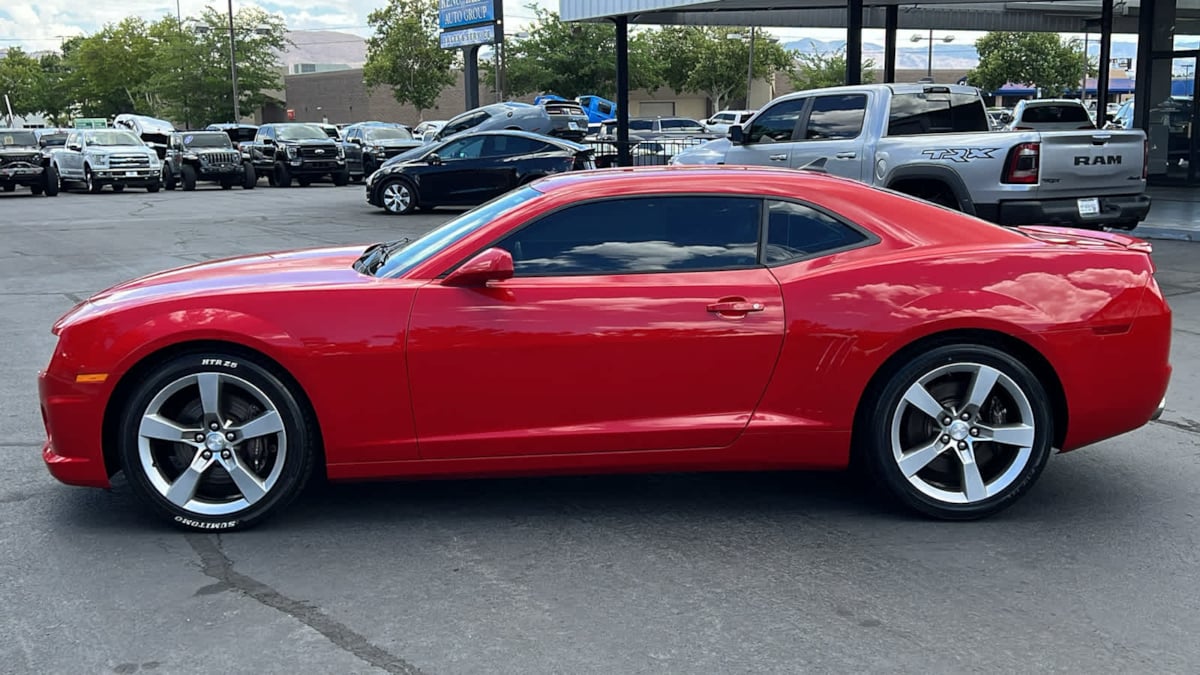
column 212, row 443
column 397, row 197
column 963, row 433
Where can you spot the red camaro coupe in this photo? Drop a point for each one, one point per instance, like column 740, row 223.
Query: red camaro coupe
column 630, row 320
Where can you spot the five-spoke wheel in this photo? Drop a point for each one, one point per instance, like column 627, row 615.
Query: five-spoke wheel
column 217, row 442
column 960, row 431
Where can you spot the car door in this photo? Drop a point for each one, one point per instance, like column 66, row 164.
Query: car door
column 265, row 144
column 831, row 130
column 458, row 174
column 631, row 324
column 70, row 160
column 507, row 160
column 768, row 139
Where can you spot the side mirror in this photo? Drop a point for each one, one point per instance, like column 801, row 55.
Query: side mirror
column 356, row 140
column 433, row 158
column 268, row 141
column 76, row 147
column 494, row 264
column 735, row 135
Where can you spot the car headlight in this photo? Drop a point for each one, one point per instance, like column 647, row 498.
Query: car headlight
column 98, row 159
column 291, row 151
column 341, row 152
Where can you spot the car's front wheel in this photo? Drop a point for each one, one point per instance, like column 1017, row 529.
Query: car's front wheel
column 959, row 432
column 398, row 196
column 216, row 441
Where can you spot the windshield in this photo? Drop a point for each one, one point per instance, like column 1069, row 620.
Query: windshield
column 386, row 133
column 112, row 138
column 207, row 141
column 422, row 249
column 641, row 125
column 24, row 138
column 301, row 132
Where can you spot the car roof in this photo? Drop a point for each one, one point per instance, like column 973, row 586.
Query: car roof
column 521, row 134
column 1051, row 101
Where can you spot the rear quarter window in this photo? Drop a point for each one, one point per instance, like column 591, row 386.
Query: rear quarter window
column 933, row 113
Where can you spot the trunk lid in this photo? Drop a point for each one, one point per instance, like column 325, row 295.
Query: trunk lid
column 1091, row 163
column 1069, row 236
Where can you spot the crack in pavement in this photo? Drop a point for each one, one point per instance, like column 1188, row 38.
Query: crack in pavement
column 216, row 565
column 1187, row 425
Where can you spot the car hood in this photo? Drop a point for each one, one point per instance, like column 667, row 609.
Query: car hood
column 397, row 143
column 712, row 152
column 310, row 268
column 312, row 141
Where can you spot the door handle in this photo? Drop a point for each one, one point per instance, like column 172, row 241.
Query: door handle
column 735, row 307
column 846, row 155
column 778, row 158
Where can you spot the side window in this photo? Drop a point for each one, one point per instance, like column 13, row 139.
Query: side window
column 936, row 112
column 834, row 117
column 795, row 231
column 640, row 234
column 73, row 139
column 604, row 108
column 268, row 132
column 507, row 146
column 777, row 123
column 463, row 148
column 465, row 122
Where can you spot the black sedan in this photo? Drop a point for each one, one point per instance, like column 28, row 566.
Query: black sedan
column 470, row 169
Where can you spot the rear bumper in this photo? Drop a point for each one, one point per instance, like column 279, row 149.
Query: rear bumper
column 1113, row 210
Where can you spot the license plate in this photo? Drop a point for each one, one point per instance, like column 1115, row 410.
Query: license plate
column 131, row 173
column 573, row 126
column 1089, row 206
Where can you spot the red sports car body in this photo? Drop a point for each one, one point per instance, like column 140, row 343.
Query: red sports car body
column 627, row 320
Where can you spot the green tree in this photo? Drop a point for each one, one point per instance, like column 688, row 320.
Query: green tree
column 826, row 69
column 191, row 74
column 111, row 70
column 708, row 61
column 21, row 79
column 54, row 98
column 404, row 55
column 572, row 59
column 1041, row 60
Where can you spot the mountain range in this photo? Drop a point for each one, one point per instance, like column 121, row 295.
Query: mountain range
column 946, row 55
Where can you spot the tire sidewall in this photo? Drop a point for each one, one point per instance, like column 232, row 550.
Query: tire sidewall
column 880, row 413
column 297, row 466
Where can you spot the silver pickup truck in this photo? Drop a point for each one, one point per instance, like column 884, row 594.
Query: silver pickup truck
column 933, row 142
column 94, row 158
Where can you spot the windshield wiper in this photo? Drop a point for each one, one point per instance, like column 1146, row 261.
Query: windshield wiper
column 377, row 254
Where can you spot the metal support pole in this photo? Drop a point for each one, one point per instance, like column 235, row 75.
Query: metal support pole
column 750, row 71
column 1086, row 66
column 622, row 27
column 1106, row 29
column 1145, row 62
column 929, row 58
column 471, row 75
column 854, row 29
column 237, row 109
column 891, row 25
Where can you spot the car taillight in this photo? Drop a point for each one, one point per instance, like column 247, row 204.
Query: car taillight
column 1145, row 158
column 1022, row 165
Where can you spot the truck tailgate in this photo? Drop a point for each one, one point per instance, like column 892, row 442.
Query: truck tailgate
column 1091, row 163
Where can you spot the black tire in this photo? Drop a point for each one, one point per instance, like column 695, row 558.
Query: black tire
column 304, row 182
column 919, row 459
column 368, row 165
column 226, row 185
column 341, row 178
column 281, row 460
column 283, row 177
column 187, row 177
column 154, row 187
column 10, row 187
column 168, row 178
column 249, row 178
column 118, row 188
column 50, row 183
column 89, row 182
column 37, row 189
column 391, row 196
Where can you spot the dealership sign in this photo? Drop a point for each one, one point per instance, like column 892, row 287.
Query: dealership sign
column 468, row 23
column 467, row 37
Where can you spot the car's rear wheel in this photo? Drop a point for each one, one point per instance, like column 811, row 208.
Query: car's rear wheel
column 90, row 182
column 51, row 183
column 168, row 178
column 282, row 176
column 216, row 441
column 249, row 177
column 118, row 188
column 398, row 197
column 10, row 187
column 341, row 178
column 959, row 432
column 187, row 177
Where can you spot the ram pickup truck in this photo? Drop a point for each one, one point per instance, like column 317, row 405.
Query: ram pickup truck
column 933, row 142
column 98, row 157
column 22, row 163
column 297, row 151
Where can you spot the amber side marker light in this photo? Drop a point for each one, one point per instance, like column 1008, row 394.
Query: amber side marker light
column 91, row 378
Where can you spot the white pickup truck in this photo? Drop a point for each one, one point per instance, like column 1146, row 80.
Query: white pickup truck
column 933, row 142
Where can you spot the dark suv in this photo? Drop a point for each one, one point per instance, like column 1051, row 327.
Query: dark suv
column 22, row 163
column 302, row 152
column 205, row 156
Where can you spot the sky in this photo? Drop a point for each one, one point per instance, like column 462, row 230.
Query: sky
column 43, row 24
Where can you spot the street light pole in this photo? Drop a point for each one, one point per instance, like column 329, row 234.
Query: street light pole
column 237, row 112
column 750, row 70
column 929, row 57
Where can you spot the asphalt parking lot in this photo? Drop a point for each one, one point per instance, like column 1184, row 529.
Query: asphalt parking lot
column 1096, row 570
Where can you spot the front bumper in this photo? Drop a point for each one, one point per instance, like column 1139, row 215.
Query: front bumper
column 1162, row 406
column 23, row 175
column 73, row 415
column 1123, row 209
column 221, row 171
column 134, row 177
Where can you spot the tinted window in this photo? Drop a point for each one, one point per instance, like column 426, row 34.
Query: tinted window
column 381, row 133
column 641, row 125
column 1043, row 114
column 464, row 148
column 26, row 138
column 936, row 113
column 777, row 123
column 836, row 117
column 501, row 146
column 655, row 234
column 463, row 123
column 680, row 125
column 795, row 231
column 604, row 108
